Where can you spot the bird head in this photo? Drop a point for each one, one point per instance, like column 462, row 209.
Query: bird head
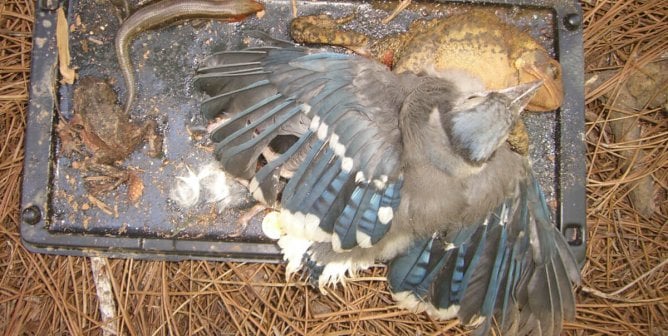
column 480, row 122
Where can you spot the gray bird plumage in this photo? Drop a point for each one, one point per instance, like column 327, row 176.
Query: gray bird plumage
column 402, row 167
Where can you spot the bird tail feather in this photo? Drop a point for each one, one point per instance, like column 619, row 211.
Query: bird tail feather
column 514, row 268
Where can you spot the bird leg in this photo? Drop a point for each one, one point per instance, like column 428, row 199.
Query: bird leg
column 244, row 219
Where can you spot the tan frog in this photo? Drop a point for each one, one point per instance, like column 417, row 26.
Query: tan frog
column 476, row 42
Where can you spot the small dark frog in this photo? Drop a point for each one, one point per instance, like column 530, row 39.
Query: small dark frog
column 103, row 127
column 102, row 133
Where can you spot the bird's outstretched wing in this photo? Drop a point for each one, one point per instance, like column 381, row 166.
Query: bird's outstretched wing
column 514, row 267
column 343, row 109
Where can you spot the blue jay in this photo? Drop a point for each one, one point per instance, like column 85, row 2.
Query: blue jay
column 407, row 168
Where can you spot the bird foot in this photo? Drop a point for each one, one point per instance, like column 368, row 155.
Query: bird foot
column 245, row 218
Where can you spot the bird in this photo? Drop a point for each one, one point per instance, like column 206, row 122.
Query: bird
column 370, row 166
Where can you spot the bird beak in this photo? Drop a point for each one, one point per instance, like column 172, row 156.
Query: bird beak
column 520, row 95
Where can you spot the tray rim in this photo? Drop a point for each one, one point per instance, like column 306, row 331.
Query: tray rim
column 39, row 144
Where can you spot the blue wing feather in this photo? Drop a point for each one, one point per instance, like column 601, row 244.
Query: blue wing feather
column 409, row 270
column 346, row 225
column 331, row 178
column 390, row 199
column 299, row 186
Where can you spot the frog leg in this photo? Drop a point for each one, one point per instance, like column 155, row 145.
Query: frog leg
column 324, row 29
column 108, row 177
column 122, row 9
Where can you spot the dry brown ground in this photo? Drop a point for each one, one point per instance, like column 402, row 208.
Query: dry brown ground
column 625, row 285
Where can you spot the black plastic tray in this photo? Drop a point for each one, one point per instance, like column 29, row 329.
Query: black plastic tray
column 53, row 192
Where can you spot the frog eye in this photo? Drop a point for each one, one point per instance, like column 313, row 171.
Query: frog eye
column 553, row 69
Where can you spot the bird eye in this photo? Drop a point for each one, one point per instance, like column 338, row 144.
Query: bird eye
column 476, row 95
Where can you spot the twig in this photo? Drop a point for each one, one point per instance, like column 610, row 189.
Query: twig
column 664, row 262
column 105, row 296
column 400, row 7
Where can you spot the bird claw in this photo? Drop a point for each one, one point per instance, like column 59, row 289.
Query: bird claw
column 245, row 218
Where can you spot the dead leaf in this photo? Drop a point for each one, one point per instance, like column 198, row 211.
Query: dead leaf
column 318, row 308
column 154, row 139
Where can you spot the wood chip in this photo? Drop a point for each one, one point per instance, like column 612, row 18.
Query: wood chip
column 101, row 205
column 62, row 41
column 135, row 187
